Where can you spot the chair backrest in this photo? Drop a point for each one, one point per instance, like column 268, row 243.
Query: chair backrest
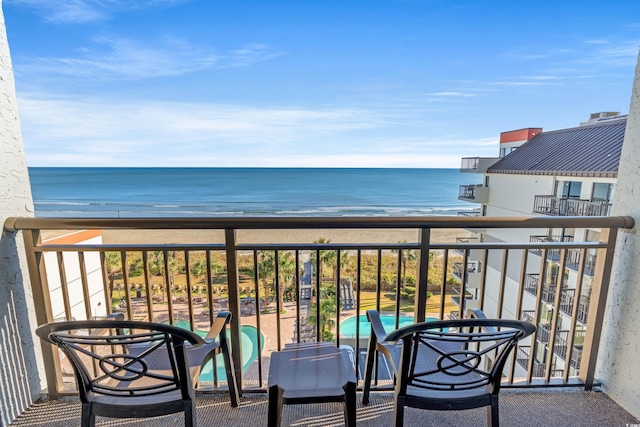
column 124, row 358
column 457, row 355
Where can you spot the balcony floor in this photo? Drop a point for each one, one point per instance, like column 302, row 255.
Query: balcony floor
column 539, row 407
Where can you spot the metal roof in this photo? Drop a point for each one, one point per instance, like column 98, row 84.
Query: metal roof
column 592, row 150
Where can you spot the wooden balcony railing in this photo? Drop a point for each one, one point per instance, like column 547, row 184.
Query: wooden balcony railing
column 306, row 290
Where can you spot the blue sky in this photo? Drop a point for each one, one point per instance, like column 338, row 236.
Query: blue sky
column 322, row 83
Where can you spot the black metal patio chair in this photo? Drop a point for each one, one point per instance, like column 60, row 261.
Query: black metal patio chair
column 132, row 369
column 445, row 365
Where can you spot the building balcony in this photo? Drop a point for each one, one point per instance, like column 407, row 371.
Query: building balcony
column 543, row 333
column 553, row 254
column 560, row 206
column 185, row 282
column 538, row 368
column 477, row 164
column 476, row 193
column 522, row 357
column 473, row 274
column 561, row 345
column 544, row 329
column 532, row 282
column 471, row 299
column 567, row 299
column 472, row 254
column 471, row 213
column 573, row 262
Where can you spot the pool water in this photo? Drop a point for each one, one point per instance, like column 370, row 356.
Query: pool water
column 250, row 352
column 348, row 326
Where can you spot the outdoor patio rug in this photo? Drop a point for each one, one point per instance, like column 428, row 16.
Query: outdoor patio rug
column 517, row 408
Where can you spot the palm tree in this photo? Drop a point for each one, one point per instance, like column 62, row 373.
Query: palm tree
column 328, row 259
column 266, row 267
column 114, row 268
column 198, row 269
column 406, row 256
column 156, row 268
column 286, row 270
column 327, row 300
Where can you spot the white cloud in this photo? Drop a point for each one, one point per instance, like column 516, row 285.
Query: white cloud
column 116, row 58
column 84, row 11
column 512, row 83
column 454, row 94
column 59, row 125
column 67, row 131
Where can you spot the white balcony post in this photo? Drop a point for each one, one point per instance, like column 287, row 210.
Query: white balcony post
column 618, row 367
column 20, row 358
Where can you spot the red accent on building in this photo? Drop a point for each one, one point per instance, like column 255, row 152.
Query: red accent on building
column 519, row 135
column 75, row 237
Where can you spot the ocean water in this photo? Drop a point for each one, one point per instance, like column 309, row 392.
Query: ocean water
column 157, row 192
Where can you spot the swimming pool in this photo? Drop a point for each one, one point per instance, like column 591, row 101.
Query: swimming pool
column 348, row 326
column 250, row 352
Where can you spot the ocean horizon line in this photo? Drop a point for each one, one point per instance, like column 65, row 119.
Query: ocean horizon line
column 243, row 167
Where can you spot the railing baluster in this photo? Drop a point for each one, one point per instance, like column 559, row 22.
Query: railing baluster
column 339, row 301
column 297, row 293
column 358, row 301
column 168, row 280
column 422, row 278
column 127, row 285
column 398, row 285
column 318, row 296
column 64, row 286
column 148, row 285
column 85, row 286
column 276, row 260
column 187, row 265
column 258, row 315
column 379, row 281
column 597, row 306
column 233, row 285
column 443, row 288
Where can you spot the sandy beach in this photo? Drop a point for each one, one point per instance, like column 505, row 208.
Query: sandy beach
column 279, row 236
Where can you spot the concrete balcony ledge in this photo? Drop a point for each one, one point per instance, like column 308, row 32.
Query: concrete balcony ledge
column 476, row 193
column 477, row 164
column 539, row 407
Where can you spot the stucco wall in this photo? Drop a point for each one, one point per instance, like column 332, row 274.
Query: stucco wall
column 19, row 354
column 618, row 366
column 512, row 195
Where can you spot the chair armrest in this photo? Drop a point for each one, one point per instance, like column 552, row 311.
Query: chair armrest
column 476, row 313
column 376, row 325
column 219, row 326
column 115, row 316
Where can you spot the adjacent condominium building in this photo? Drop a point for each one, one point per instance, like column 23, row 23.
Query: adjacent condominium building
column 566, row 172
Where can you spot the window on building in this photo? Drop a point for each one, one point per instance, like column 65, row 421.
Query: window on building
column 602, row 192
column 507, row 150
column 486, row 181
column 568, row 189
